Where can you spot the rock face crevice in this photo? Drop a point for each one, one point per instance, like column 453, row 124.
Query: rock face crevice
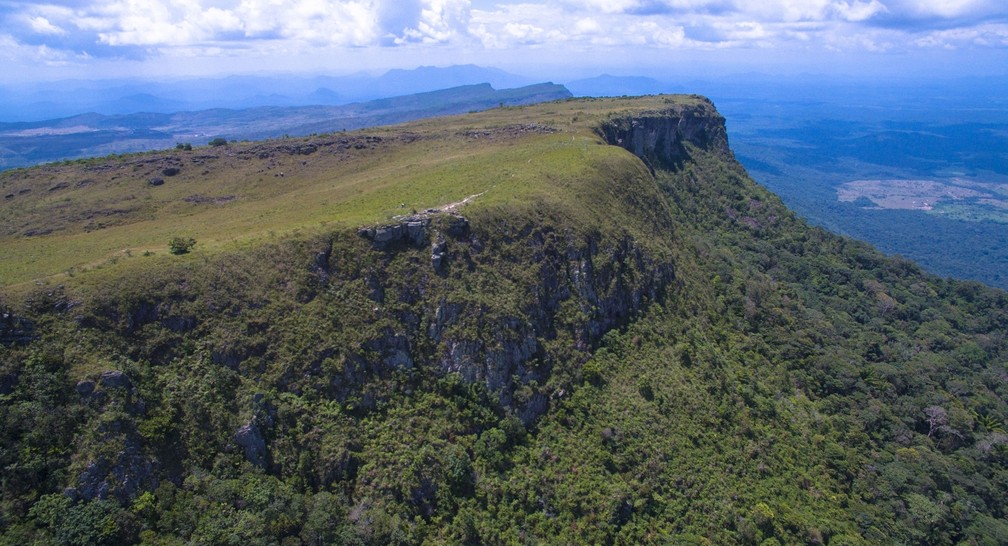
column 573, row 291
column 661, row 138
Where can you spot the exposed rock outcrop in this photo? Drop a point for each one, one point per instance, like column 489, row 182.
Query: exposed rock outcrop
column 416, row 229
column 439, row 252
column 660, row 138
column 123, row 467
column 252, row 442
column 124, row 477
column 15, row 329
column 411, row 230
column 607, row 285
column 115, row 379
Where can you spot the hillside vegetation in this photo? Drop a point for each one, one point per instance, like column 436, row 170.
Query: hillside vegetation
column 576, row 322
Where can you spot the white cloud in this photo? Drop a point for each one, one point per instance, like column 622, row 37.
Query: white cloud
column 15, row 53
column 607, row 6
column 439, row 21
column 81, row 30
column 587, row 25
column 516, row 24
column 41, row 25
column 859, row 11
column 994, row 35
column 184, row 23
column 813, row 10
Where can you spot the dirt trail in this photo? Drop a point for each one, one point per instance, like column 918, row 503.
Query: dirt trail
column 450, row 207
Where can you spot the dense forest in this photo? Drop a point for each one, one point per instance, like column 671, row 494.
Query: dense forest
column 807, row 163
column 616, row 347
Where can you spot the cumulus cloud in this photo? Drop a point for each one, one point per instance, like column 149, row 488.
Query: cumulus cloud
column 187, row 23
column 859, row 11
column 41, row 25
column 833, row 24
column 431, row 21
column 72, row 30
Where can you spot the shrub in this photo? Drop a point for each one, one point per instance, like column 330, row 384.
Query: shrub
column 180, row 245
column 219, row 141
column 183, row 146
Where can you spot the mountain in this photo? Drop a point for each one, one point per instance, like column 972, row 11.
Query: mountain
column 572, row 322
column 47, row 100
column 29, row 143
column 431, row 78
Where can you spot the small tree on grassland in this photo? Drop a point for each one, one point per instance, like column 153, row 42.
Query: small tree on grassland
column 180, row 245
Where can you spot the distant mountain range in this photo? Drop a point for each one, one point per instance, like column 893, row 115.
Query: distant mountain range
column 49, row 100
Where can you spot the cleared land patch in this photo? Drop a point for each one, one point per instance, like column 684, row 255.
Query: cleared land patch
column 959, row 198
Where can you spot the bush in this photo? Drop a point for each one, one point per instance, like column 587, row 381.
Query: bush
column 180, row 245
column 218, row 141
column 183, row 146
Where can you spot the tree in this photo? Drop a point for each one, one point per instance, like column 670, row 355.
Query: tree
column 180, row 245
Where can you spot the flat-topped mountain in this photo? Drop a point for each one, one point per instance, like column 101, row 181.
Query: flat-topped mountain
column 573, row 322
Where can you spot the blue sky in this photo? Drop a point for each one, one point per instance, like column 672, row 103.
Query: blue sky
column 538, row 38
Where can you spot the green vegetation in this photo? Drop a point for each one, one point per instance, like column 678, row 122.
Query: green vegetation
column 180, row 245
column 605, row 354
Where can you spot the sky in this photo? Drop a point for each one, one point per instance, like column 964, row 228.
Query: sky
column 536, row 38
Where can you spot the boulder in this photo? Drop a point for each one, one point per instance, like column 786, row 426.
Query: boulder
column 250, row 438
column 115, row 379
column 85, row 388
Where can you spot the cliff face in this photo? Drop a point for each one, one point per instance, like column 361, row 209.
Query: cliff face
column 516, row 310
column 578, row 291
column 659, row 138
column 515, row 303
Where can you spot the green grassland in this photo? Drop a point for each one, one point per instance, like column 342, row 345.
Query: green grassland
column 613, row 350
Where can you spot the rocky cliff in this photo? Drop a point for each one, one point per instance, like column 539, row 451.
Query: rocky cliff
column 512, row 303
column 431, row 287
column 574, row 289
column 660, row 137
